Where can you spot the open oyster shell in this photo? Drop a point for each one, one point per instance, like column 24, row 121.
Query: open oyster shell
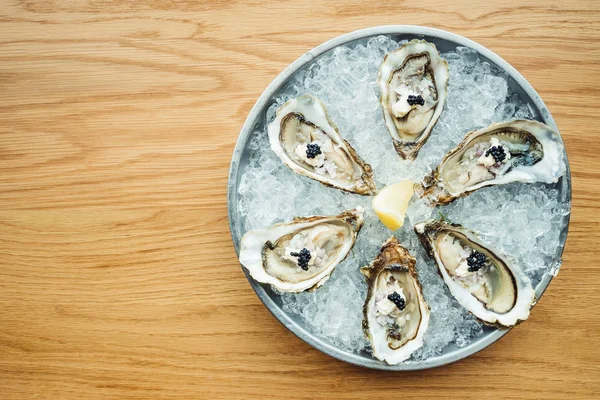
column 307, row 141
column 275, row 255
column 413, row 81
column 496, row 292
column 520, row 150
column 396, row 315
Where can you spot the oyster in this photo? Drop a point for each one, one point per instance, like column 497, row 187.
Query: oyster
column 493, row 290
column 302, row 254
column 413, row 81
column 521, row 150
column 308, row 142
column 396, row 315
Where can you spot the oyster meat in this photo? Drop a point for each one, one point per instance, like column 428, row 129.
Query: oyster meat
column 395, row 314
column 302, row 254
column 413, row 81
column 308, row 142
column 493, row 290
column 521, row 150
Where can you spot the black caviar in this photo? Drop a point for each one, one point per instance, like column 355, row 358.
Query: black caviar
column 476, row 261
column 397, row 300
column 303, row 258
column 497, row 152
column 415, row 100
column 312, row 150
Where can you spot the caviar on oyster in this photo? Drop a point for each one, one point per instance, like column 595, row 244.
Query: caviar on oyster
column 413, row 82
column 486, row 160
column 308, row 142
column 521, row 150
column 302, row 254
column 482, row 282
column 395, row 314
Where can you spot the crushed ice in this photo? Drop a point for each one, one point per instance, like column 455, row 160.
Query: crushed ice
column 523, row 220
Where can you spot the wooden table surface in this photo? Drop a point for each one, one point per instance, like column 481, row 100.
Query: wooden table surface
column 118, row 278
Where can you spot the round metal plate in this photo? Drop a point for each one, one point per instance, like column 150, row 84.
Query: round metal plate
column 445, row 41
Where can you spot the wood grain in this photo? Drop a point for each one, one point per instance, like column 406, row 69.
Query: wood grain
column 118, row 279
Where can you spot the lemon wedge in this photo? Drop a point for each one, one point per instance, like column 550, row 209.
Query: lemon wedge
column 391, row 203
